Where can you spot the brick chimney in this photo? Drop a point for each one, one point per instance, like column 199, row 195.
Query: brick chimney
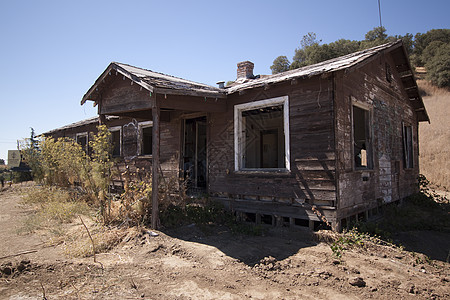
column 245, row 69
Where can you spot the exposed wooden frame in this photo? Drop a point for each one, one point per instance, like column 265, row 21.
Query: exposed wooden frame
column 408, row 161
column 117, row 128
column 369, row 130
column 238, row 136
column 155, row 163
column 118, row 70
column 141, row 126
column 83, row 134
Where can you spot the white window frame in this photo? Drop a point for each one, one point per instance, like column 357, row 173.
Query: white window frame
column 370, row 159
column 408, row 162
column 141, row 126
column 239, row 139
column 114, row 129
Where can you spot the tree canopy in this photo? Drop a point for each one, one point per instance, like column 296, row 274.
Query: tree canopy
column 430, row 50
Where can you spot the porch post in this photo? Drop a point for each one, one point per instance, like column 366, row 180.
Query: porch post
column 101, row 119
column 155, row 163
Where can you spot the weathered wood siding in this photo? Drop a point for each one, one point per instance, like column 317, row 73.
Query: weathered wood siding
column 122, row 96
column 388, row 180
column 312, row 177
column 169, row 143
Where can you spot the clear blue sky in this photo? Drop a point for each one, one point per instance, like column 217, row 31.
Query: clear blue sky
column 51, row 52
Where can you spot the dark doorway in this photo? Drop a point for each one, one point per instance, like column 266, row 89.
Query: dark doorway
column 194, row 155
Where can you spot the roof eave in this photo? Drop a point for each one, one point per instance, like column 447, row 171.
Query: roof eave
column 119, row 70
column 422, row 114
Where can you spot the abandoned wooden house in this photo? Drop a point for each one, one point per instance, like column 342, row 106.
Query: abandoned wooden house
column 334, row 140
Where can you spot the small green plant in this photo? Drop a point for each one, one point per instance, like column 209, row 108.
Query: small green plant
column 206, row 213
column 349, row 239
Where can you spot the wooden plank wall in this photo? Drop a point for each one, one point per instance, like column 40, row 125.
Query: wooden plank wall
column 388, row 181
column 120, row 95
column 170, row 151
column 312, row 178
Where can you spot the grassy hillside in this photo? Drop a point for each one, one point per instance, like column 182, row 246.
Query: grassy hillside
column 434, row 138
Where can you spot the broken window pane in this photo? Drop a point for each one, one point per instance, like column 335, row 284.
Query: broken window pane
column 361, row 138
column 130, row 140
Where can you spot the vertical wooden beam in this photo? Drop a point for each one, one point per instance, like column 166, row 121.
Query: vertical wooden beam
column 101, row 119
column 311, row 225
column 155, row 163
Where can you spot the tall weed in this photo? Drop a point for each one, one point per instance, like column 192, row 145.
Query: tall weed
column 434, row 137
column 54, row 207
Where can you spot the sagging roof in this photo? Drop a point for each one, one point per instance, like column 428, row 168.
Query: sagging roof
column 154, row 82
column 347, row 62
column 93, row 120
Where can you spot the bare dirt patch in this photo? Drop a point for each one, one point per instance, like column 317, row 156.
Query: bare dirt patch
column 187, row 263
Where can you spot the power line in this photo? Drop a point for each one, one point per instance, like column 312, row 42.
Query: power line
column 379, row 12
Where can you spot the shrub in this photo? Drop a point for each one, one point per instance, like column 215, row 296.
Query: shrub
column 63, row 163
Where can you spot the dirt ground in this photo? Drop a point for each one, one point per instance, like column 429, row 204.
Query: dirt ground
column 188, row 264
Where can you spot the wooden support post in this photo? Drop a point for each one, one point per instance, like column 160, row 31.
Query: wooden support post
column 291, row 221
column 311, row 225
column 155, row 164
column 258, row 219
column 101, row 119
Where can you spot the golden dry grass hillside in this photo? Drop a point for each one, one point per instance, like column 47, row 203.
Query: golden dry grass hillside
column 434, row 138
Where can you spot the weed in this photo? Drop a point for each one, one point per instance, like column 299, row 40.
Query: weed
column 79, row 244
column 348, row 239
column 206, row 213
column 247, row 229
column 53, row 208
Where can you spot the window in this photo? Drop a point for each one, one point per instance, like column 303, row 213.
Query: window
column 116, row 139
column 146, row 133
column 388, row 73
column 362, row 149
column 408, row 159
column 82, row 139
column 261, row 135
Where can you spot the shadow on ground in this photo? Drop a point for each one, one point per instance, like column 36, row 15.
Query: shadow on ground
column 434, row 244
column 278, row 242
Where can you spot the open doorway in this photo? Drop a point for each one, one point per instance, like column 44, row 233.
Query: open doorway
column 194, row 155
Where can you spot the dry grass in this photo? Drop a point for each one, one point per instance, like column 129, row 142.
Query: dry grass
column 56, row 212
column 434, row 138
column 78, row 244
column 53, row 208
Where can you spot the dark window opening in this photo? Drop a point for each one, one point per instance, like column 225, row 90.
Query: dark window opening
column 83, row 141
column 195, row 155
column 361, row 139
column 408, row 161
column 321, row 226
column 388, row 73
column 115, row 139
column 147, row 140
column 263, row 138
column 301, row 222
column 249, row 217
column 267, row 219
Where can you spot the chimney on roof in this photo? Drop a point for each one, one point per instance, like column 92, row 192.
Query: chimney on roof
column 245, row 69
column 221, row 84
